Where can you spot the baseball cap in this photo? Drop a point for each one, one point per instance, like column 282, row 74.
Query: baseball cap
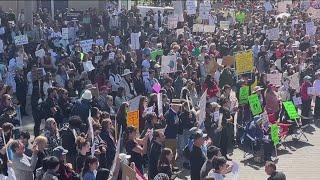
column 59, row 151
column 199, row 133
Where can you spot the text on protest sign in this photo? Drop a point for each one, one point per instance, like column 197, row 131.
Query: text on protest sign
column 244, row 62
column 204, row 10
column 243, row 95
column 21, row 40
column 191, row 7
column 88, row 66
column 86, row 45
column 133, row 119
column 135, row 43
column 274, row 79
column 224, row 25
column 291, row 110
column 275, row 134
column 255, row 104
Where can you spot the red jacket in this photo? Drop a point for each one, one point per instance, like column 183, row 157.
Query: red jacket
column 211, row 92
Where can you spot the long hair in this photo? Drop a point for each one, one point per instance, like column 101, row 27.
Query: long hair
column 163, row 160
column 90, row 160
column 129, row 130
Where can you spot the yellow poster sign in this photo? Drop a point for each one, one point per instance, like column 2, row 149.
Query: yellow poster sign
column 133, row 119
column 244, row 62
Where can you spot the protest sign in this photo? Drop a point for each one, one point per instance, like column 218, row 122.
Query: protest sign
column 209, row 28
column 243, row 95
column 202, row 106
column 275, row 134
column 255, row 104
column 97, row 59
column 168, row 64
column 179, row 31
column 191, row 7
column 40, row 53
column 65, row 33
column 315, row 13
column 86, row 20
column 294, row 81
column 310, row 28
column 267, row 6
column 86, row 45
column 273, row 34
column 228, row 61
column 88, row 66
column 21, row 40
column 282, row 6
column 204, row 10
column 178, row 10
column 304, row 4
column 133, row 119
column 159, row 103
column 291, row 110
column 134, row 103
column 297, row 100
column 2, row 31
column 99, row 42
column 240, row 17
column 155, row 53
column 274, row 79
column 224, row 25
column 197, row 28
column 135, row 43
column 311, row 91
column 278, row 64
column 74, row 15
column 172, row 22
column 117, row 40
column 127, row 172
column 244, row 62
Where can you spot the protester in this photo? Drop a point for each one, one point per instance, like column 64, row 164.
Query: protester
column 270, row 169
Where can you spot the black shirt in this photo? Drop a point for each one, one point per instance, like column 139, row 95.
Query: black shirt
column 197, row 158
column 277, row 176
column 135, row 157
column 154, row 155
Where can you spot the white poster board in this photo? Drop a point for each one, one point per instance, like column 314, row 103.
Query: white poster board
column 134, row 104
column 197, row 28
column 86, row 45
column 191, row 7
column 21, row 40
column 178, row 10
column 65, row 33
column 224, row 25
column 135, row 43
column 88, row 66
column 310, row 28
column 202, row 106
column 204, row 10
column 172, row 22
column 168, row 64
column 273, row 34
column 209, row 28
column 40, row 53
column 99, row 42
column 274, row 79
column 294, row 81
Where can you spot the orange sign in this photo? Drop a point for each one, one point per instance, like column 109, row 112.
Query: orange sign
column 133, row 119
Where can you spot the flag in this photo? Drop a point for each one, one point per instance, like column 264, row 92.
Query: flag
column 91, row 134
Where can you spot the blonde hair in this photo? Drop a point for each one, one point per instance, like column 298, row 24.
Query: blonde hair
column 41, row 140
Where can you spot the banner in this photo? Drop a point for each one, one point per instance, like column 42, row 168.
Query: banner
column 209, row 28
column 291, row 110
column 275, row 134
column 273, row 34
column 255, row 104
column 244, row 62
column 310, row 28
column 86, row 45
column 191, row 7
column 274, row 79
column 197, row 28
column 243, row 95
column 224, row 25
column 168, row 64
column 135, row 43
column 204, row 10
column 133, row 119
column 21, row 40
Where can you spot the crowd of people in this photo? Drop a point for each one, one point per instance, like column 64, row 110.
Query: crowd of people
column 190, row 117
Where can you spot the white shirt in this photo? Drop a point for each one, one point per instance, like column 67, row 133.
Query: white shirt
column 215, row 175
column 115, row 81
column 316, row 85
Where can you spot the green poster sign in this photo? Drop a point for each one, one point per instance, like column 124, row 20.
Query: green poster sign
column 243, row 95
column 275, row 134
column 155, row 53
column 291, row 110
column 240, row 17
column 255, row 104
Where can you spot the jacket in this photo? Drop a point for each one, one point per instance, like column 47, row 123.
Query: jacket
column 49, row 175
column 24, row 166
column 172, row 124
